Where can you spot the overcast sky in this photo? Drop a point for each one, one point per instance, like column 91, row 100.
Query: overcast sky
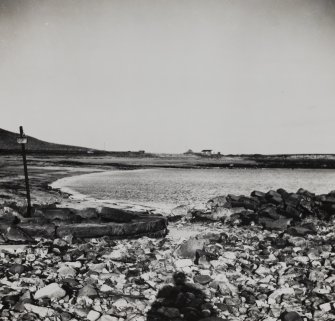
column 236, row 76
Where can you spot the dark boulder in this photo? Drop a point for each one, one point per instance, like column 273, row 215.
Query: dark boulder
column 247, row 217
column 17, row 269
column 293, row 200
column 292, row 212
column 306, row 193
column 258, row 194
column 284, row 194
column 299, row 231
column 202, row 216
column 290, row 316
column 16, row 235
column 269, row 212
column 274, row 197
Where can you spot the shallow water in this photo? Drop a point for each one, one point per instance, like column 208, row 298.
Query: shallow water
column 167, row 188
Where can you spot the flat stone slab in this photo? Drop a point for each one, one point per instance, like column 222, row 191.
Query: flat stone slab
column 88, row 230
column 51, row 223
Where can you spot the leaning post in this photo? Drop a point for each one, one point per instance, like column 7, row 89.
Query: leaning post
column 22, row 140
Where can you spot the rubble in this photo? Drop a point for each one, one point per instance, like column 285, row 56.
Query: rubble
column 225, row 270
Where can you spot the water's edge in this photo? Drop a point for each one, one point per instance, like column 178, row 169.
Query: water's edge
column 88, row 201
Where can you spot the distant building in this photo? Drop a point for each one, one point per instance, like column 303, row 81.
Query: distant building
column 190, row 151
column 207, row 152
column 90, row 151
column 141, row 151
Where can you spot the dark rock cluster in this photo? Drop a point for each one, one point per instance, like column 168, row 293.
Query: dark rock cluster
column 274, row 210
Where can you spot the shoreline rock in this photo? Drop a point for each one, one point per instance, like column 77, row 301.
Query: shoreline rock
column 245, row 271
column 52, row 223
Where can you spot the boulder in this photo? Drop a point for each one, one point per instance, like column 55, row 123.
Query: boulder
column 270, row 212
column 304, row 192
column 245, row 217
column 284, row 194
column 16, row 235
column 292, row 212
column 18, row 269
column 274, row 197
column 202, row 216
column 290, row 316
column 280, row 224
column 219, row 201
column 306, row 204
column 293, row 200
column 300, row 231
column 181, row 211
column 258, row 194
column 243, row 201
column 249, row 203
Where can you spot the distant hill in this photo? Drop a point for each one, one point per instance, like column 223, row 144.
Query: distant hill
column 8, row 144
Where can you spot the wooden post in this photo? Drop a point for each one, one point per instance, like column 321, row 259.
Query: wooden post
column 23, row 141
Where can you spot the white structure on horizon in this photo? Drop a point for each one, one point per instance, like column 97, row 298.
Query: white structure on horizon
column 207, row 152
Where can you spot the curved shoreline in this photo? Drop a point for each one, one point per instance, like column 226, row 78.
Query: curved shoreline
column 59, row 185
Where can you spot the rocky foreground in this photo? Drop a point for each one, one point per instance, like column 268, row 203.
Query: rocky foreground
column 264, row 257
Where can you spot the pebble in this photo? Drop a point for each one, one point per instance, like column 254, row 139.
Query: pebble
column 17, row 269
column 93, row 315
column 66, row 272
column 88, row 291
column 202, row 279
column 182, row 263
column 51, row 291
column 40, row 311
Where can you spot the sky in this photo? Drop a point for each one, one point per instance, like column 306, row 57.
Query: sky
column 235, row 76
